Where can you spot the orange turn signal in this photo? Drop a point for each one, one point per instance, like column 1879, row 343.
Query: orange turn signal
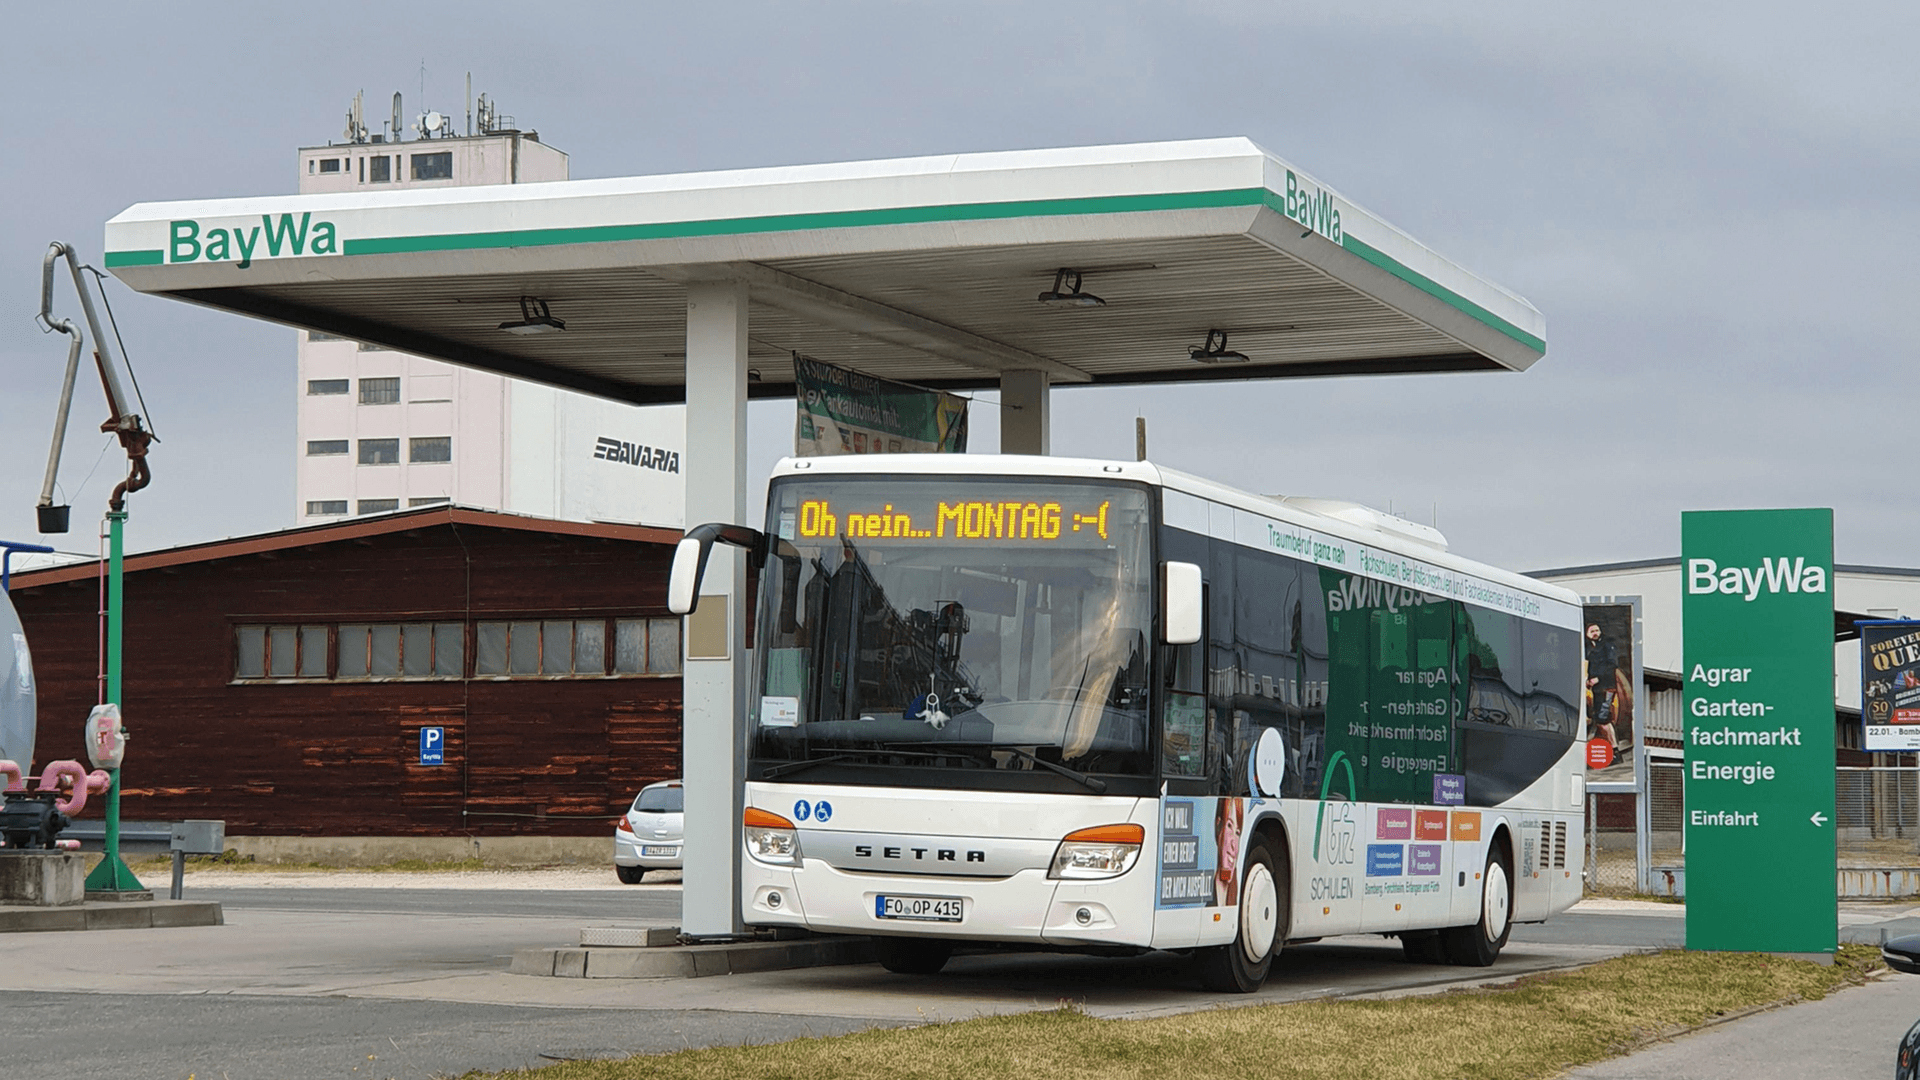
column 1108, row 834
column 756, row 818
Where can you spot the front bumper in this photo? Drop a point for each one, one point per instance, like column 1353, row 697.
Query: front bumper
column 650, row 853
column 1027, row 907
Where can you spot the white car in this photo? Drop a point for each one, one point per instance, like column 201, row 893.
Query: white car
column 649, row 837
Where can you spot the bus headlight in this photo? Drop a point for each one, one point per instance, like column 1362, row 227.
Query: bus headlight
column 771, row 838
column 1103, row 851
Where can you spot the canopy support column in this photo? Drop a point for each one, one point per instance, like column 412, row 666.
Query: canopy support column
column 714, row 680
column 1025, row 412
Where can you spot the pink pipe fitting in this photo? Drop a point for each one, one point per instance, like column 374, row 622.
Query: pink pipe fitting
column 11, row 769
column 76, row 798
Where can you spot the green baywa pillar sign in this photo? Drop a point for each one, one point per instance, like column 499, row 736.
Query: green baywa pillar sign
column 1757, row 614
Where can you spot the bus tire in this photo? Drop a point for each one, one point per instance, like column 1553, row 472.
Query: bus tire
column 912, row 956
column 1265, row 909
column 1479, row 945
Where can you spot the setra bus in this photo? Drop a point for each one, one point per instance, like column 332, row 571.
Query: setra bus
column 1109, row 707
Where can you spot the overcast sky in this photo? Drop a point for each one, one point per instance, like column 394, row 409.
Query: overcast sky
column 1713, row 204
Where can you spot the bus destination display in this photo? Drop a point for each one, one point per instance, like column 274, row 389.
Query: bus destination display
column 964, row 520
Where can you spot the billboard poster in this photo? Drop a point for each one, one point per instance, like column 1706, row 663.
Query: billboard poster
column 842, row 411
column 1612, row 680
column 1890, row 685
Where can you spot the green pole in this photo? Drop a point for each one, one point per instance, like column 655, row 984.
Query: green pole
column 112, row 875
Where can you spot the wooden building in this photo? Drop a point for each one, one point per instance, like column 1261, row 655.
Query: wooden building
column 281, row 682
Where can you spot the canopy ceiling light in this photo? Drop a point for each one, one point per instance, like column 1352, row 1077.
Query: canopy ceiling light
column 534, row 319
column 1215, row 351
column 1066, row 291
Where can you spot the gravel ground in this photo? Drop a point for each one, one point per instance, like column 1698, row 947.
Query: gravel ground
column 569, row 878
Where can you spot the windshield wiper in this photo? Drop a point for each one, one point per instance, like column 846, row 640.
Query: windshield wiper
column 795, row 766
column 1093, row 783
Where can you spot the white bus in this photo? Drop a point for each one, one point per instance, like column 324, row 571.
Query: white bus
column 1109, row 707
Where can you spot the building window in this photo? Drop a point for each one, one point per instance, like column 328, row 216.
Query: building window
column 433, row 166
column 315, row 335
column 330, row 165
column 380, row 391
column 434, row 448
column 379, row 451
column 323, row 387
column 434, row 500
column 380, row 169
column 646, row 646
column 326, row 447
column 378, row 506
column 324, row 507
column 280, row 652
column 541, row 647
column 402, row 650
column 369, row 347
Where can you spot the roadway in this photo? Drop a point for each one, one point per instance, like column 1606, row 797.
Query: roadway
column 410, row 981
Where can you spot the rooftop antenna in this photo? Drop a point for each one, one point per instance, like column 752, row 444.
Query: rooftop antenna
column 397, row 129
column 356, row 127
column 469, row 103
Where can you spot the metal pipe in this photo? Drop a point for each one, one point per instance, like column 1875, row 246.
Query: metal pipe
column 64, row 326
column 123, row 418
column 60, row 417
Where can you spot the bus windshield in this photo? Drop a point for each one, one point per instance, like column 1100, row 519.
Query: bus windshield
column 924, row 631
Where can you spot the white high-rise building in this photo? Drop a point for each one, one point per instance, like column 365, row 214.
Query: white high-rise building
column 380, row 430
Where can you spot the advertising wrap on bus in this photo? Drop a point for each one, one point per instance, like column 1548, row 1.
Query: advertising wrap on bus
column 968, row 661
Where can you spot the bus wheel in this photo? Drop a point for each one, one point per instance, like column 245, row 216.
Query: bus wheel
column 1423, row 947
column 912, row 956
column 1480, row 944
column 1265, row 908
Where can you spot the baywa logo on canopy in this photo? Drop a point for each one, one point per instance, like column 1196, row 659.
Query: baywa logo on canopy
column 1771, row 576
column 272, row 238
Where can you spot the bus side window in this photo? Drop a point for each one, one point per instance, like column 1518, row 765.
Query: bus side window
column 1183, row 738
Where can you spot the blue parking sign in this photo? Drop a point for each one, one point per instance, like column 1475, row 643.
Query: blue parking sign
column 433, row 746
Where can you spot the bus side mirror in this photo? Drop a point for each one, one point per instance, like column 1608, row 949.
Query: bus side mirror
column 689, row 566
column 1181, row 614
column 690, row 560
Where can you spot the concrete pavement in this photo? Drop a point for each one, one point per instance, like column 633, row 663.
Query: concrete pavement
column 1851, row 1035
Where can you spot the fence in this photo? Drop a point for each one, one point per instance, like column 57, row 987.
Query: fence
column 1876, row 826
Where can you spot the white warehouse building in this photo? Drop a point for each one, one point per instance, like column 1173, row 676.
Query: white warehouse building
column 380, row 430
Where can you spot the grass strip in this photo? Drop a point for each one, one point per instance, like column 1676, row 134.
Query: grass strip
column 1535, row 1027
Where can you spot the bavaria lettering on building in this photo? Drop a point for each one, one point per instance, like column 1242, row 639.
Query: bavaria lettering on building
column 1772, row 575
column 186, row 242
column 1313, row 207
column 637, row 455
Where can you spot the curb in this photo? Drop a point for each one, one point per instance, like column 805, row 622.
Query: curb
column 691, row 961
column 98, row 915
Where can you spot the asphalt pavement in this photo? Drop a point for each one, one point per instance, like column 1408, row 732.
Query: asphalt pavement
column 410, row 981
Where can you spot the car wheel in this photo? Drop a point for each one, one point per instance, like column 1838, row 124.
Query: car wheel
column 1266, row 908
column 1479, row 945
column 630, row 875
column 912, row 956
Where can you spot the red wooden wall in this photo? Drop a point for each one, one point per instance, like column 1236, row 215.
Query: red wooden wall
column 542, row 756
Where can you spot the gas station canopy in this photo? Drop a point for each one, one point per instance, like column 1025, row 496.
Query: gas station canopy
column 1169, row 262
column 926, row 270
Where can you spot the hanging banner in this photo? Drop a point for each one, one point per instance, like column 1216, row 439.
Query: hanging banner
column 842, row 411
column 1890, row 684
